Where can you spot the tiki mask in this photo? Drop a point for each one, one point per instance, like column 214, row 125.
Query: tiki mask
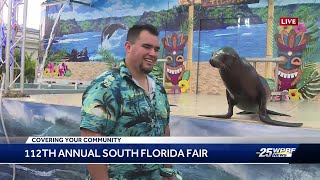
column 290, row 46
column 173, row 46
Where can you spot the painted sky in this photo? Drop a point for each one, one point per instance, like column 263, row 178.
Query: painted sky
column 263, row 3
column 110, row 8
column 118, row 8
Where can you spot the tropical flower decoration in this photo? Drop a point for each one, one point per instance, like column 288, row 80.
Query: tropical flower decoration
column 46, row 72
column 300, row 28
column 294, row 94
column 51, row 67
column 56, row 72
column 184, row 85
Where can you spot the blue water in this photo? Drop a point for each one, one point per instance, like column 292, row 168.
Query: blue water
column 243, row 39
column 249, row 41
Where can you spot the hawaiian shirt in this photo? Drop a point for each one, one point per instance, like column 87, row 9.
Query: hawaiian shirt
column 115, row 105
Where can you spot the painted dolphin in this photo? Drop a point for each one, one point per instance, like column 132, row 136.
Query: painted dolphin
column 110, row 29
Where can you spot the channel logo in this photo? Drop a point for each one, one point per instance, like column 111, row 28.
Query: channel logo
column 275, row 152
column 288, row 21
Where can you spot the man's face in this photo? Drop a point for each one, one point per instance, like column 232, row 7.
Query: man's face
column 144, row 52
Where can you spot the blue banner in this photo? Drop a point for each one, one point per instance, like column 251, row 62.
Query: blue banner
column 159, row 153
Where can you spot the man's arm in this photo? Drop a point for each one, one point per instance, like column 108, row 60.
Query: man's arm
column 167, row 132
column 97, row 171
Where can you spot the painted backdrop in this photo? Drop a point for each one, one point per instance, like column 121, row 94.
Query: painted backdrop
column 96, row 34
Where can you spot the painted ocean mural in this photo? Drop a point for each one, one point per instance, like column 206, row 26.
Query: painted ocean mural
column 95, row 35
column 79, row 31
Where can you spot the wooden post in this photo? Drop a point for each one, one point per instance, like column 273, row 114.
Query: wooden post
column 269, row 53
column 190, row 38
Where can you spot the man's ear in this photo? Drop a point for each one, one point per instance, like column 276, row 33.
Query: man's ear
column 127, row 46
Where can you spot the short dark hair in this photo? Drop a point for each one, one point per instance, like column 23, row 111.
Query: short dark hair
column 135, row 30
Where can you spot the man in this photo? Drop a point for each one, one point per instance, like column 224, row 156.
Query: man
column 128, row 101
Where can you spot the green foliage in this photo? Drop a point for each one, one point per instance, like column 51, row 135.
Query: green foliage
column 30, row 66
column 312, row 51
column 56, row 57
column 304, row 12
column 85, row 25
column 158, row 70
column 271, row 83
column 262, row 13
column 310, row 84
column 130, row 20
column 187, row 25
column 161, row 54
column 68, row 73
column 108, row 58
column 186, row 75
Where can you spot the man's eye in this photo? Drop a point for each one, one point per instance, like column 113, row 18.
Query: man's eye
column 147, row 47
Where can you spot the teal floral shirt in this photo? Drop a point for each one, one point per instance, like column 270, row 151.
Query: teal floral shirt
column 115, row 105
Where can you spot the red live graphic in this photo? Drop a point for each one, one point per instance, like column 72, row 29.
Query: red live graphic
column 287, row 21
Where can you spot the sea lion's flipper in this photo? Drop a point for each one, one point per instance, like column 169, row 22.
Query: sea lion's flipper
column 222, row 116
column 245, row 112
column 264, row 117
column 231, row 104
column 276, row 113
column 268, row 120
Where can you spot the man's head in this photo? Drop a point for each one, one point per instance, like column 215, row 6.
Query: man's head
column 142, row 48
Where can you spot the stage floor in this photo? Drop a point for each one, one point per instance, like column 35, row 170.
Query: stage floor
column 192, row 105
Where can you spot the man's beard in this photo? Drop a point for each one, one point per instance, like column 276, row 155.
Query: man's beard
column 145, row 70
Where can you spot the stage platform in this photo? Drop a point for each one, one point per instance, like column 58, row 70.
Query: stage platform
column 59, row 115
column 191, row 105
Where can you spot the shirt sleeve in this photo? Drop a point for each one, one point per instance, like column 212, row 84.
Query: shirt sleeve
column 99, row 110
column 168, row 110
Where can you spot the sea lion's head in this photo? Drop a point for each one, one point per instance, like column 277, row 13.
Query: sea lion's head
column 225, row 56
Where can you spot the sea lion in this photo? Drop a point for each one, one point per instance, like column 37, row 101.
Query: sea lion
column 110, row 29
column 245, row 88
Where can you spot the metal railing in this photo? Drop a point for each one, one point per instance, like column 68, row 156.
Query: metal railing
column 276, row 60
column 164, row 70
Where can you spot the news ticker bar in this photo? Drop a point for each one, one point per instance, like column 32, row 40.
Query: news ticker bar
column 158, row 153
column 170, row 140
